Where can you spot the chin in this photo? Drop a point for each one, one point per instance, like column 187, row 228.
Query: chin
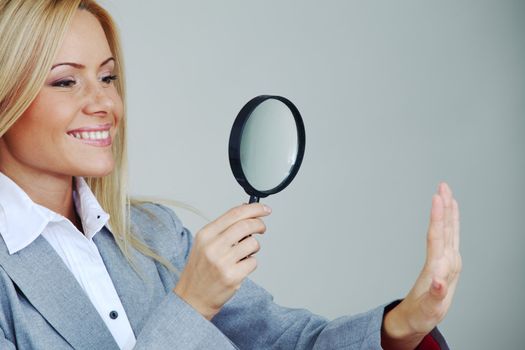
column 97, row 171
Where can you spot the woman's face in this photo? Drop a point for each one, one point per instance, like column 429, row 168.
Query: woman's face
column 69, row 128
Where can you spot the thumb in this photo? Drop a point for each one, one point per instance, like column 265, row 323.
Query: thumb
column 438, row 290
column 432, row 302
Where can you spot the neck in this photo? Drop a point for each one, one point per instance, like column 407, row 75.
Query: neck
column 52, row 191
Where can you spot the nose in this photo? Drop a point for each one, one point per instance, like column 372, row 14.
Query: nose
column 99, row 102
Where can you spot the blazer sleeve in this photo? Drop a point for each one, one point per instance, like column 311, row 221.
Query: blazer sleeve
column 251, row 320
column 4, row 343
column 176, row 325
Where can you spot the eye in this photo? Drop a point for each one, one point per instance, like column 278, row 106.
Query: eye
column 108, row 79
column 64, row 83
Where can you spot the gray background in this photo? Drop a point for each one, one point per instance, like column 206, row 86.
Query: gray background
column 396, row 96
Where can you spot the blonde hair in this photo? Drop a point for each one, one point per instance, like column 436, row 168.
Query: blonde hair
column 30, row 36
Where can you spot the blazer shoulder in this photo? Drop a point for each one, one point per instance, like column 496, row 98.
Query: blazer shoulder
column 152, row 214
column 161, row 229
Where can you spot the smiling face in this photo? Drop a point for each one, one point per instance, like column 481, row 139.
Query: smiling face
column 69, row 128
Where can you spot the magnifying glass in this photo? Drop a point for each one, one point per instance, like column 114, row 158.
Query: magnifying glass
column 266, row 146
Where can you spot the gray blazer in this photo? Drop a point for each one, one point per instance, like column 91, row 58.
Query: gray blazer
column 43, row 307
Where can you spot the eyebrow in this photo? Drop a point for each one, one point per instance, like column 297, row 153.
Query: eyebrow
column 80, row 66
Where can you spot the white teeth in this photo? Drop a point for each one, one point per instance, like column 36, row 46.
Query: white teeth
column 91, row 135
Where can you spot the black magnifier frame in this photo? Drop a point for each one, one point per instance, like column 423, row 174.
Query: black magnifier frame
column 235, row 146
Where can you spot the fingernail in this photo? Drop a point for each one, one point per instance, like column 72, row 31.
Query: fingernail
column 267, row 208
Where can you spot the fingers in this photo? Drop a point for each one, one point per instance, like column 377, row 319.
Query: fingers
column 238, row 231
column 456, row 226
column 446, row 195
column 443, row 231
column 443, row 256
column 228, row 240
column 452, row 233
column 244, row 249
column 247, row 266
column 233, row 216
column 435, row 237
column 452, row 225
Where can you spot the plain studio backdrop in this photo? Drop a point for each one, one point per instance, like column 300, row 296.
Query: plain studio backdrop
column 396, row 96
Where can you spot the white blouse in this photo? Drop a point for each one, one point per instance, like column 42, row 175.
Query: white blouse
column 22, row 221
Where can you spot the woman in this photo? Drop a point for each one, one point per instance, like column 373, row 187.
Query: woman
column 83, row 268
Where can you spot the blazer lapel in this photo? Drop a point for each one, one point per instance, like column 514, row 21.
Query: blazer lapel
column 51, row 288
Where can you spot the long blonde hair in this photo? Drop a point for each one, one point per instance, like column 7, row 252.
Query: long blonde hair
column 30, row 36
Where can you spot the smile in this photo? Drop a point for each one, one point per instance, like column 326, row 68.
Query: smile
column 94, row 136
column 90, row 135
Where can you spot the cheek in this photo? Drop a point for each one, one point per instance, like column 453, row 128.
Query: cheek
column 27, row 142
column 119, row 107
column 27, row 128
column 118, row 110
column 45, row 120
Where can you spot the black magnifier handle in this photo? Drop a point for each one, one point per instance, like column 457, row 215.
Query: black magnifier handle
column 253, row 199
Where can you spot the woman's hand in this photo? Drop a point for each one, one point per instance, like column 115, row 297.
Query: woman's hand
column 221, row 257
column 406, row 325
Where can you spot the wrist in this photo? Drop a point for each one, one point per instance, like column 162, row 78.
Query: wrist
column 201, row 308
column 397, row 332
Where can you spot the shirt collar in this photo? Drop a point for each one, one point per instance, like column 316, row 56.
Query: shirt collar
column 91, row 214
column 22, row 220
